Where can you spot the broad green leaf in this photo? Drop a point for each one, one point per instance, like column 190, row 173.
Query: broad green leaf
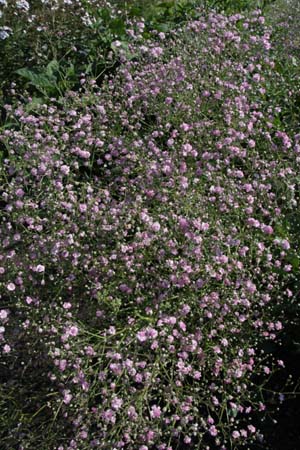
column 52, row 67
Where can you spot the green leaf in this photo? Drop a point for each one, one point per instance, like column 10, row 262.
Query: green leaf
column 294, row 261
column 37, row 79
column 52, row 67
column 25, row 73
column 45, row 82
column 118, row 26
column 164, row 27
column 70, row 72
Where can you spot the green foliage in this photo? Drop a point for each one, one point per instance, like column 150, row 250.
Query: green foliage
column 54, row 80
column 235, row 6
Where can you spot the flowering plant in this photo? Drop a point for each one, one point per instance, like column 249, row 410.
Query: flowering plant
column 146, row 258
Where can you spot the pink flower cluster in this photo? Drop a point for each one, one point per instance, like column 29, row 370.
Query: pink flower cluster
column 144, row 249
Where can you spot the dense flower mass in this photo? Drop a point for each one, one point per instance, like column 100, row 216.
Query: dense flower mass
column 145, row 255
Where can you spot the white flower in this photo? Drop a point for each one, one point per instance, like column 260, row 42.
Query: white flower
column 5, row 32
column 22, row 4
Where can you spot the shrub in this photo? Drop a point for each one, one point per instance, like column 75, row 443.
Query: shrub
column 146, row 258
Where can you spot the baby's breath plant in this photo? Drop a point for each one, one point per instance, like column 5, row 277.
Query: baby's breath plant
column 146, row 263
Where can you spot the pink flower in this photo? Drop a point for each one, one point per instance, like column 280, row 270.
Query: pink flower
column 251, row 428
column 11, row 287
column 183, row 223
column 197, row 375
column 67, row 397
column 20, row 192
column 261, row 407
column 3, row 314
column 155, row 412
column 62, row 364
column 131, row 412
column 182, row 326
column 82, row 207
column 156, row 51
column 141, row 335
column 147, row 333
column 90, row 351
column 73, row 331
column 250, row 286
column 244, row 433
column 213, row 431
column 116, row 403
column 267, row 229
column 65, row 170
column 67, row 305
column 253, row 222
column 187, row 148
column 155, row 226
column 236, row 435
column 109, row 416
column 285, row 244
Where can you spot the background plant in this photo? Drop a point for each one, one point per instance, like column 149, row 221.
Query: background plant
column 76, row 37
